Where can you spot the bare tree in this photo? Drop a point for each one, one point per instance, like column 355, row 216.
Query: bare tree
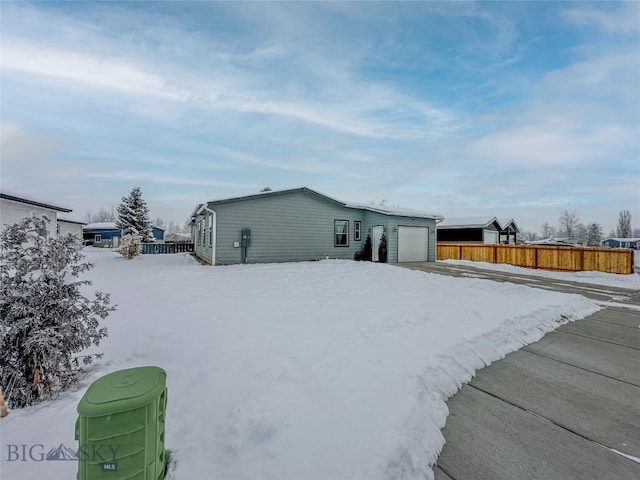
column 636, row 233
column 547, row 230
column 623, row 229
column 103, row 215
column 568, row 225
column 529, row 236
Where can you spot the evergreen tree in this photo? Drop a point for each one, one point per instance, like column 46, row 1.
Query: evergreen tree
column 382, row 249
column 44, row 318
column 367, row 252
column 133, row 216
column 594, row 234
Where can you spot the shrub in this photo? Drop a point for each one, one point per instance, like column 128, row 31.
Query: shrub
column 44, row 319
column 131, row 246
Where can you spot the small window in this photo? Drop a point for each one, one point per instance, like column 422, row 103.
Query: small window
column 357, row 228
column 97, row 238
column 341, row 230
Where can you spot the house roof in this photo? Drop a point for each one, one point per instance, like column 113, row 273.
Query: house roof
column 623, row 239
column 107, row 226
column 394, row 211
column 35, row 203
column 101, row 226
column 506, row 222
column 383, row 209
column 469, row 222
column 558, row 242
column 68, row 220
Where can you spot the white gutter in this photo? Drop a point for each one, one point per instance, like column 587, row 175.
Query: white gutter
column 213, row 230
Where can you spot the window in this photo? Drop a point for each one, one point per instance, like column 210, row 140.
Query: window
column 341, row 230
column 97, row 238
column 210, row 235
column 357, row 228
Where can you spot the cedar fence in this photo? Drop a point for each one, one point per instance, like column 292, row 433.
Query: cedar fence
column 179, row 247
column 566, row 259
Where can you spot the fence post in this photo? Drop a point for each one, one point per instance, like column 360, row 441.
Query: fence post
column 459, row 252
column 535, row 249
column 495, row 254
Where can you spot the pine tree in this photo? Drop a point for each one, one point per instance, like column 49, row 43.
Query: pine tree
column 367, row 252
column 44, row 318
column 594, row 234
column 133, row 216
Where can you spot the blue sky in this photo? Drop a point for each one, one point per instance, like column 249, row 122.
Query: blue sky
column 509, row 109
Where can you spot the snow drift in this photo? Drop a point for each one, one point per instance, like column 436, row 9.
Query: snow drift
column 315, row 370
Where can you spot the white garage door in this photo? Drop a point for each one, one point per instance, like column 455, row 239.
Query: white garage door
column 490, row 236
column 413, row 244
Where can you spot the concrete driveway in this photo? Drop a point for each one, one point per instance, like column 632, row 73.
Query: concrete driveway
column 565, row 407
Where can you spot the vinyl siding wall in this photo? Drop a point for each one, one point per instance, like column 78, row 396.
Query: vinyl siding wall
column 295, row 227
column 373, row 219
column 11, row 211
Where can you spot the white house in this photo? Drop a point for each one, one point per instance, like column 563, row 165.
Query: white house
column 12, row 208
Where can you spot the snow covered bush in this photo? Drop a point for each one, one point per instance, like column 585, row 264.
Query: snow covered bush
column 44, row 318
column 131, row 246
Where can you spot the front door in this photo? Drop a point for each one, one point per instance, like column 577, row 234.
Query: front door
column 376, row 235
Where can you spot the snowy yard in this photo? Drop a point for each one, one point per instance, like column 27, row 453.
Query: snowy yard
column 317, row 370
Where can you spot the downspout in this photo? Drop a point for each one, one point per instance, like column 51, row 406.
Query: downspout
column 435, row 238
column 213, row 230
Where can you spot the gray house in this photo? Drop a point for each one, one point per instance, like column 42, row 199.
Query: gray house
column 302, row 224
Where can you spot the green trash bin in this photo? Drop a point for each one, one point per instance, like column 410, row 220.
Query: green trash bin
column 120, row 426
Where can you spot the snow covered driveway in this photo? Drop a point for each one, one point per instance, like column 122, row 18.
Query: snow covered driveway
column 317, row 370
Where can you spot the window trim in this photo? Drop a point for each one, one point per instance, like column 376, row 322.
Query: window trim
column 97, row 238
column 357, row 230
column 345, row 234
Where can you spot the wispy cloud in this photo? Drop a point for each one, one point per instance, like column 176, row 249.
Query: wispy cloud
column 616, row 17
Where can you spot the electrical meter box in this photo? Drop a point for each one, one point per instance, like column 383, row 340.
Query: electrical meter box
column 121, row 426
column 245, row 237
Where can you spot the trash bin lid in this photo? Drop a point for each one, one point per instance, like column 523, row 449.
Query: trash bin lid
column 122, row 391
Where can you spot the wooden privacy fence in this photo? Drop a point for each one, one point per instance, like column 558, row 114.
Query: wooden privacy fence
column 568, row 259
column 181, row 247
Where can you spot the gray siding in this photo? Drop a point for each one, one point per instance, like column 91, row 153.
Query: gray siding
column 295, row 227
column 390, row 223
column 292, row 227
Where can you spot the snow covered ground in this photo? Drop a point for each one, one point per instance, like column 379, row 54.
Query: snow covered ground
column 313, row 370
column 631, row 282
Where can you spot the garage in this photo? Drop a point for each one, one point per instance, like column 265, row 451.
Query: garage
column 491, row 236
column 413, row 244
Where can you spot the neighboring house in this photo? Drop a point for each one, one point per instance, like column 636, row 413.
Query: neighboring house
column 12, row 208
column 622, row 243
column 469, row 230
column 101, row 234
column 177, row 237
column 301, row 224
column 106, row 234
column 73, row 227
column 509, row 231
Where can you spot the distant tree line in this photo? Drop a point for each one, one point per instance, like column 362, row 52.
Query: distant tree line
column 570, row 227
